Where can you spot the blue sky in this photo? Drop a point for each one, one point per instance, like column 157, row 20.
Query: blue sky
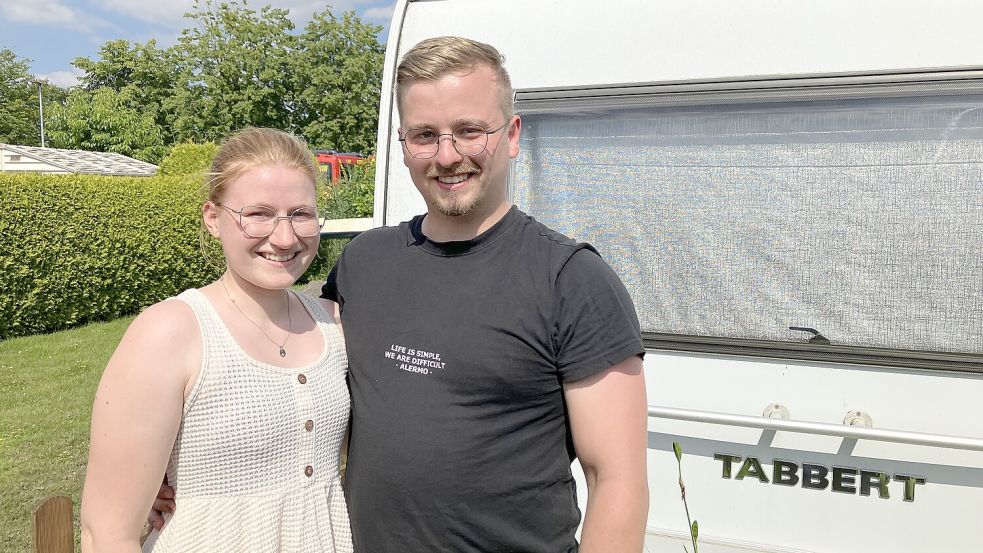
column 52, row 33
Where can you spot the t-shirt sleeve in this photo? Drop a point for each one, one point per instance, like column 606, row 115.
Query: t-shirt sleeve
column 330, row 288
column 596, row 325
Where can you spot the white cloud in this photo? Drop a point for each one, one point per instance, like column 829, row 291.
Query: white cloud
column 63, row 79
column 303, row 9
column 51, row 13
column 165, row 13
column 169, row 13
column 380, row 14
column 42, row 11
column 370, row 11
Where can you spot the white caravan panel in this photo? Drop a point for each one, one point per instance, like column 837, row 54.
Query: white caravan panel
column 752, row 166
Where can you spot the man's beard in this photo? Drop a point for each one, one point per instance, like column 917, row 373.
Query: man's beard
column 450, row 206
column 456, row 208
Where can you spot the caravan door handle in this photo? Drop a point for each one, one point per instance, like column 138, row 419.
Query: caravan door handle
column 825, row 429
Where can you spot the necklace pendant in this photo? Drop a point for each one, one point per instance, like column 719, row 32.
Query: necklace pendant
column 283, row 352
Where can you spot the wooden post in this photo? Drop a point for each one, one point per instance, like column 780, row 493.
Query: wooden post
column 53, row 526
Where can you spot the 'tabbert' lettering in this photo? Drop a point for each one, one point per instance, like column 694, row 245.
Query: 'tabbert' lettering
column 819, row 477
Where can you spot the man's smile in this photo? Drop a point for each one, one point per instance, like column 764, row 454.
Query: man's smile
column 453, row 182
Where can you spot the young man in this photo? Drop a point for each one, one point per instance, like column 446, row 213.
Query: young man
column 485, row 350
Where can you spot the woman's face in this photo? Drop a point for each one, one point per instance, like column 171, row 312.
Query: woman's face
column 275, row 261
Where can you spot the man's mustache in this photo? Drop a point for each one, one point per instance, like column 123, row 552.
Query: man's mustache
column 466, row 166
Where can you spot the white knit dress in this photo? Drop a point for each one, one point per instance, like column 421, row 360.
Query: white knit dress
column 255, row 462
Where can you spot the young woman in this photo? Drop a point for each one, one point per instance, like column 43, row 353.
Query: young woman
column 235, row 390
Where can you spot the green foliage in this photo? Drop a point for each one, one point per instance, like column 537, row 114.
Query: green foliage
column 16, row 120
column 233, row 67
column 18, row 102
column 353, row 194
column 694, row 528
column 188, row 159
column 235, row 70
column 143, row 69
column 338, row 74
column 85, row 248
column 141, row 74
column 82, row 248
column 104, row 121
column 47, row 384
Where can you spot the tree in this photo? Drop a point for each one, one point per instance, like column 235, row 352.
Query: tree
column 233, row 67
column 102, row 121
column 18, row 101
column 235, row 71
column 119, row 105
column 124, row 64
column 142, row 74
column 338, row 71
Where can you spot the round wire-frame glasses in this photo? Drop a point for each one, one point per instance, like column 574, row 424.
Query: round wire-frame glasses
column 257, row 221
column 468, row 140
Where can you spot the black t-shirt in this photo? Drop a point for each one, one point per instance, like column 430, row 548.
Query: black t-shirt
column 457, row 356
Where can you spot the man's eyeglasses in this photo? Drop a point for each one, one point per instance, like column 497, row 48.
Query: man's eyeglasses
column 258, row 221
column 469, row 140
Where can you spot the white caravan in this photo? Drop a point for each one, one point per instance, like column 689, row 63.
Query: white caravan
column 792, row 191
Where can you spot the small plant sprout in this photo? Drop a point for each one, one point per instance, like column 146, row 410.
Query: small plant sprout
column 694, row 529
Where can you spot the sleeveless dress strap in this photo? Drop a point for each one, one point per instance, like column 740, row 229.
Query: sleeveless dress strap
column 314, row 307
column 209, row 327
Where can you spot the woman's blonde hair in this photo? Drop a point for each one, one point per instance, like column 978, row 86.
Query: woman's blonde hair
column 256, row 147
column 250, row 148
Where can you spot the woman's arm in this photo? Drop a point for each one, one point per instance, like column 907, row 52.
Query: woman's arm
column 135, row 418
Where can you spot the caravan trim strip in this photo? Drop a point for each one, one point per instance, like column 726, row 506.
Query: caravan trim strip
column 806, row 351
column 926, row 82
column 825, row 429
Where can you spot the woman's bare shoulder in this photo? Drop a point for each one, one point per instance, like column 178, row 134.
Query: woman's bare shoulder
column 163, row 337
column 168, row 322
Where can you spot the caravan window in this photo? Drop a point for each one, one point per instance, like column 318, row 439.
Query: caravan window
column 859, row 217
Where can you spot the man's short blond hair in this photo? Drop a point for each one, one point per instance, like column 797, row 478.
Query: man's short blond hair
column 435, row 58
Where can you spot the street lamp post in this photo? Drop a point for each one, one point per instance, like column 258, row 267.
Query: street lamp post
column 41, row 112
column 40, row 103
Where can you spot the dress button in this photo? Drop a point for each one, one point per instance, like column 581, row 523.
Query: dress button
column 302, row 379
column 309, row 470
column 309, row 425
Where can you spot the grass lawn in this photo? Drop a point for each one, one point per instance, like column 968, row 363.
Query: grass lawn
column 46, row 388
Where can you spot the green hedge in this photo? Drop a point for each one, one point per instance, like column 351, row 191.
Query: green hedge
column 78, row 248
column 81, row 248
column 352, row 196
column 188, row 159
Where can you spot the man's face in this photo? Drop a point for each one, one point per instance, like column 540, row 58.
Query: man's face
column 454, row 185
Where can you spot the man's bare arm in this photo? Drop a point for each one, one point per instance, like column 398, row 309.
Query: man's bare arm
column 608, row 419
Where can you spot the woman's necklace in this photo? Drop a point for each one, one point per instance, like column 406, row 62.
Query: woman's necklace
column 290, row 323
